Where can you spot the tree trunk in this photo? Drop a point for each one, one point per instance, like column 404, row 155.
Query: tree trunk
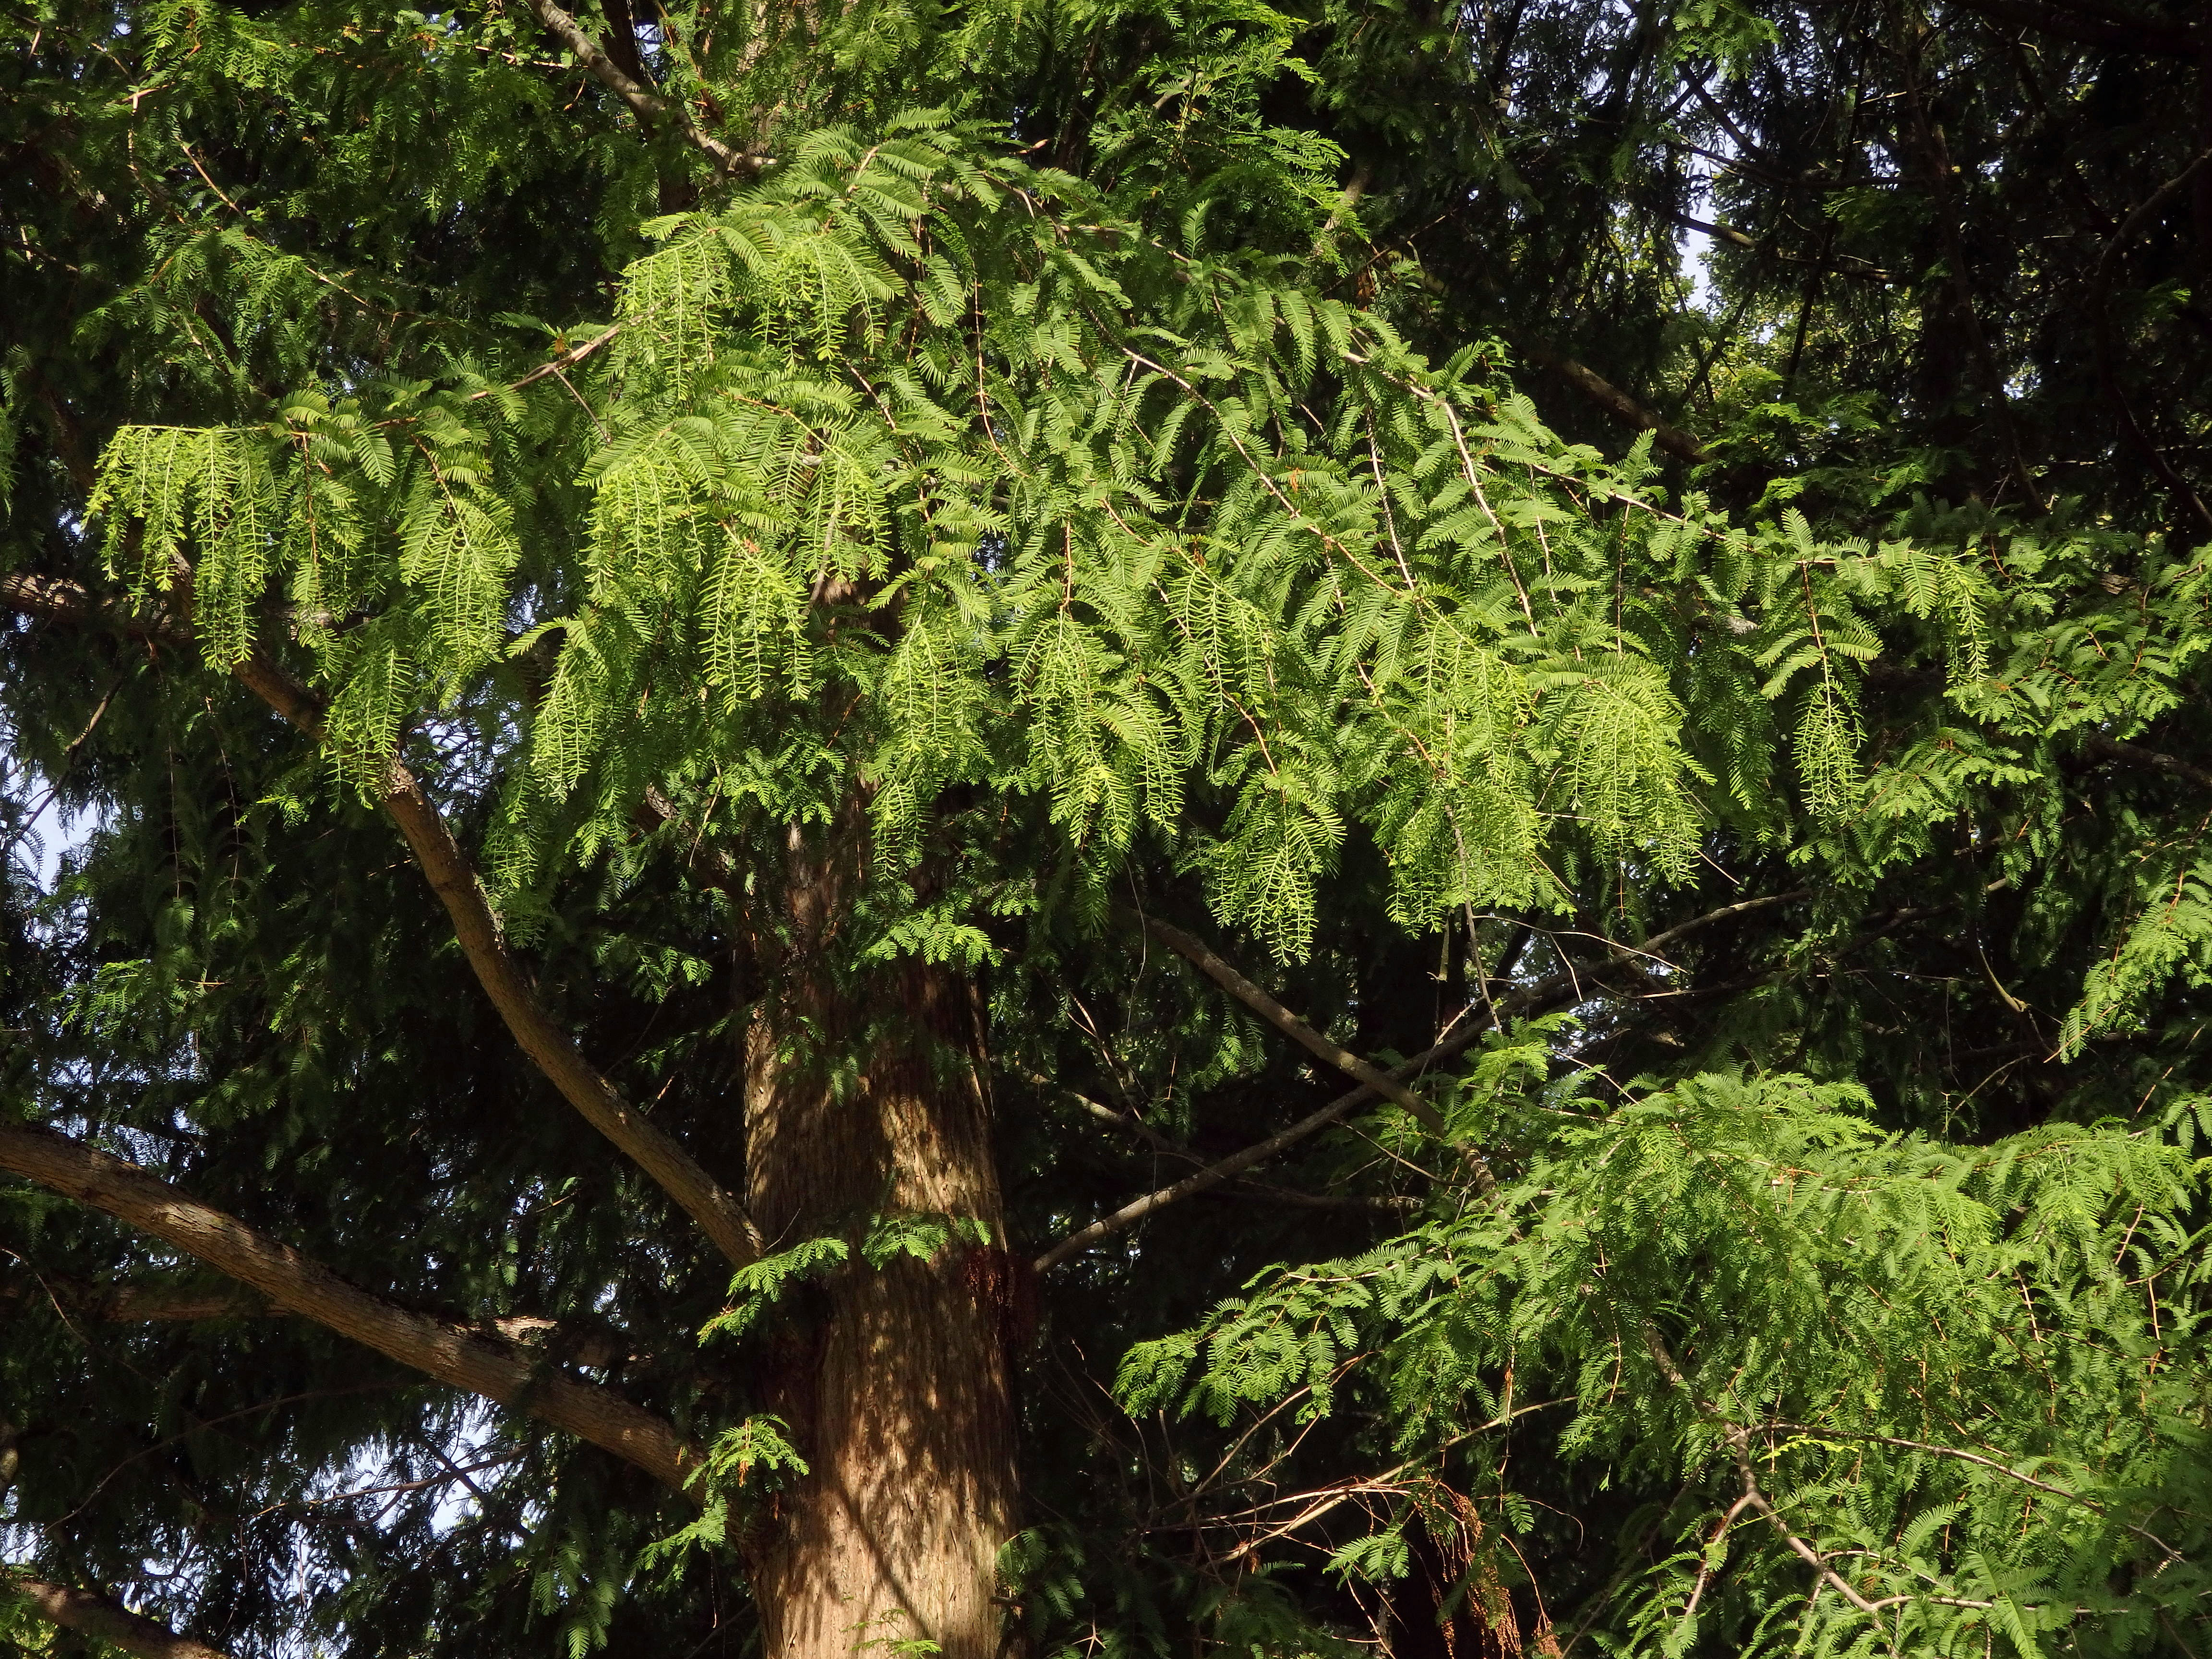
column 866, row 1097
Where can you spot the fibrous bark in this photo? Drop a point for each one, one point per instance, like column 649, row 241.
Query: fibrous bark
column 897, row 1389
column 107, row 1620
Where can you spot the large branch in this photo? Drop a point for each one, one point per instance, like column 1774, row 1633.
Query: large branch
column 53, row 598
column 497, row 1369
column 103, row 1619
column 482, row 942
column 1223, row 974
column 130, row 1303
column 649, row 106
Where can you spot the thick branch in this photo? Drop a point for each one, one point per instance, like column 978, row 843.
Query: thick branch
column 1618, row 405
column 52, row 599
column 453, row 879
column 103, row 1619
column 646, row 105
column 494, row 1367
column 2136, row 755
column 1221, row 974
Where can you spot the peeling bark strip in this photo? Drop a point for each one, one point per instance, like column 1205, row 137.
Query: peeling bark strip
column 501, row 1371
column 899, row 1393
column 106, row 1620
column 452, row 877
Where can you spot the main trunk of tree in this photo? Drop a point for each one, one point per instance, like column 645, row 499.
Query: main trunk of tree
column 868, row 1099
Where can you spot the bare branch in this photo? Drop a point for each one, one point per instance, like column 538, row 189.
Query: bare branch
column 103, row 1618
column 2136, row 755
column 1580, row 982
column 1839, row 264
column 52, row 598
column 1214, row 1173
column 1961, row 1454
column 568, row 359
column 127, row 1303
column 649, row 106
column 1263, row 1191
column 1537, row 997
column 1617, row 404
column 1739, row 1446
column 452, row 877
column 1226, row 976
column 493, row 1366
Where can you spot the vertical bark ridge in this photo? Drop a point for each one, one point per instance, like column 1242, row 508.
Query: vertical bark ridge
column 865, row 1101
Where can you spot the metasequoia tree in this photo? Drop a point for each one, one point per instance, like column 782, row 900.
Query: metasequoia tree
column 1000, row 711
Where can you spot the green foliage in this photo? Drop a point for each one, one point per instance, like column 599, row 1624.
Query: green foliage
column 754, row 1289
column 1953, row 1374
column 809, row 491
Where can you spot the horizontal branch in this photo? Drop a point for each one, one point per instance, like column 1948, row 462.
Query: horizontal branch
column 452, row 877
column 498, row 1368
column 103, row 1618
column 126, row 1302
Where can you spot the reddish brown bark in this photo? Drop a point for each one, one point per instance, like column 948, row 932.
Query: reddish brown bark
column 866, row 1098
column 104, row 1618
